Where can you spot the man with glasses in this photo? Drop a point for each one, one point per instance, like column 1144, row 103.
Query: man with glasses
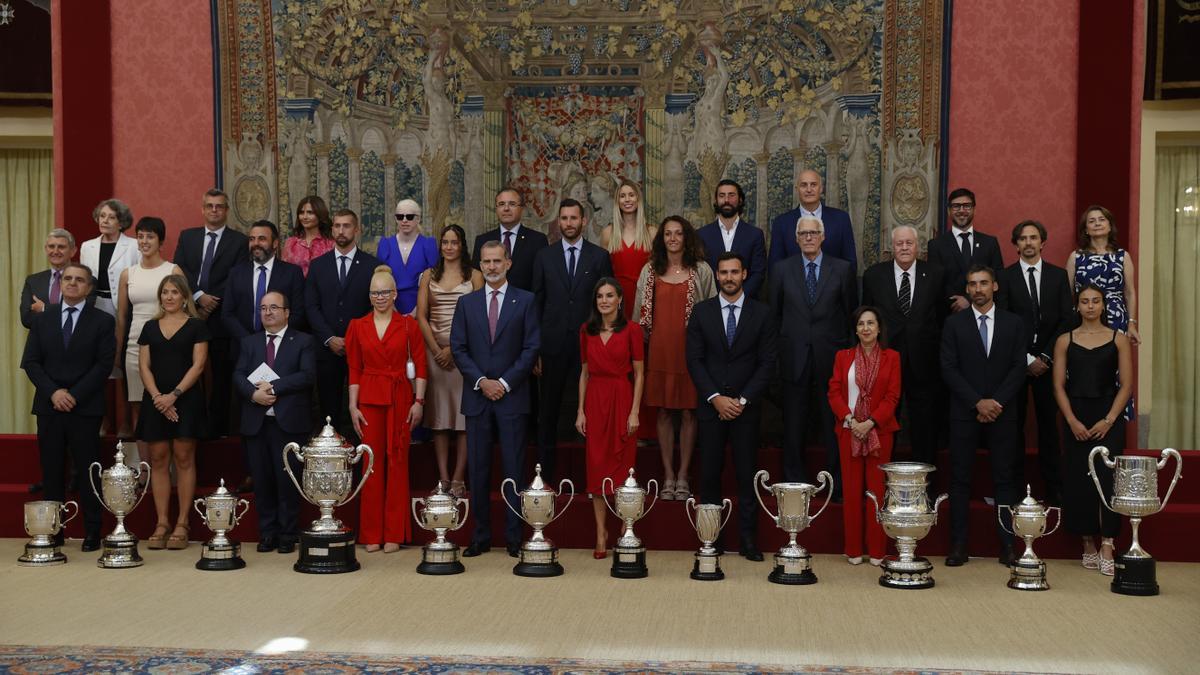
column 520, row 242
column 961, row 247
column 275, row 371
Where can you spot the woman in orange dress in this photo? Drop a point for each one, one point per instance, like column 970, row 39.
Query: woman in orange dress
column 610, row 348
column 384, row 408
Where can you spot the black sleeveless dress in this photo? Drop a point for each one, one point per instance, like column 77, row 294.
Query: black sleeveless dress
column 170, row 360
column 1091, row 387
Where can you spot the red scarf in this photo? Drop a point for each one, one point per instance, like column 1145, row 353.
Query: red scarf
column 866, row 369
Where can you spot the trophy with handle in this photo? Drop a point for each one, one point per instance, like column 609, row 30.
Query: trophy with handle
column 629, row 555
column 440, row 514
column 1029, row 523
column 539, row 556
column 708, row 525
column 118, row 493
column 220, row 514
column 793, row 564
column 906, row 516
column 43, row 522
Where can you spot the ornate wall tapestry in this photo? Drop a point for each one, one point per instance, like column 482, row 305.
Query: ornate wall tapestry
column 366, row 102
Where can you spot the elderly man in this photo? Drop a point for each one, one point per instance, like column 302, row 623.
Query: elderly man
column 45, row 287
column 812, row 296
column 839, row 234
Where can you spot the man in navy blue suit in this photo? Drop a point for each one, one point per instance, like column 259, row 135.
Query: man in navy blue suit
column 730, row 233
column 336, row 291
column 495, row 338
column 248, row 283
column 275, row 412
column 839, row 234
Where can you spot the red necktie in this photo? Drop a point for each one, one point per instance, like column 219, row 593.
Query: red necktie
column 55, row 287
column 271, row 350
column 493, row 314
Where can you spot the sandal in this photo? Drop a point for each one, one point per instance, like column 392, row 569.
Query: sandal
column 682, row 490
column 668, row 490
column 158, row 541
column 176, row 542
column 371, row 548
column 391, row 547
column 1091, row 561
column 1108, row 567
column 457, row 488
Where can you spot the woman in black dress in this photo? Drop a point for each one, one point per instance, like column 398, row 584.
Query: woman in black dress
column 173, row 350
column 1087, row 362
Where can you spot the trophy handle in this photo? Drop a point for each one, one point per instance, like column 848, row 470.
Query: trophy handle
column 295, row 448
column 604, row 495
column 875, row 501
column 1167, row 453
column 1057, row 522
column 504, row 482
column 414, row 508
column 145, row 489
column 1103, row 452
column 466, row 511
column 761, row 478
column 196, row 505
column 1001, row 520
column 726, row 505
column 569, row 499
column 245, row 507
column 936, row 503
column 688, row 507
column 826, row 481
column 648, row 484
column 92, row 480
column 358, row 453
column 63, row 523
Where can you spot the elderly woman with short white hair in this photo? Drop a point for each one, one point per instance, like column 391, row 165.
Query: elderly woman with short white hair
column 408, row 253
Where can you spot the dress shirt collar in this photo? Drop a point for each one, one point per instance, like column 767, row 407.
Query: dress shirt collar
column 957, row 232
column 270, row 265
column 566, row 245
column 741, row 299
column 820, row 257
column 349, row 254
column 516, row 231
column 503, row 291
column 912, row 270
column 815, row 213
column 737, row 220
column 78, row 308
column 278, row 335
column 1025, row 267
column 219, row 231
column 991, row 315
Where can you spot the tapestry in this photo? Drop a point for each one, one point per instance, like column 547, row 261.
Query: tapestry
column 1172, row 49
column 365, row 102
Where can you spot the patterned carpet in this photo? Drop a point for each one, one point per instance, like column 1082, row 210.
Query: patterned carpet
column 71, row 660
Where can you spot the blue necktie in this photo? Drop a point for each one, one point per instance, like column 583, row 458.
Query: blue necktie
column 983, row 332
column 811, row 281
column 259, row 291
column 342, row 274
column 731, row 325
column 206, row 265
column 69, row 327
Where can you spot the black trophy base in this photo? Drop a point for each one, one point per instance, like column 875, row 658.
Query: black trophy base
column 37, row 555
column 538, row 563
column 438, row 561
column 119, row 554
column 792, row 572
column 707, row 567
column 221, row 558
column 326, row 553
column 915, row 574
column 1135, row 576
column 629, row 563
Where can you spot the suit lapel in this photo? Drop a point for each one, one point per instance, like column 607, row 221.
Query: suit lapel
column 745, row 314
column 506, row 313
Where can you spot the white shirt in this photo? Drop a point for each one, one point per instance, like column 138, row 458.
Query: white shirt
column 727, row 235
column 991, row 325
column 204, row 247
column 737, row 316
column 270, row 265
column 337, row 259
column 912, row 280
column 853, row 388
column 78, row 313
column 970, row 232
column 566, row 247
column 278, row 344
column 500, row 294
column 512, row 241
column 805, row 213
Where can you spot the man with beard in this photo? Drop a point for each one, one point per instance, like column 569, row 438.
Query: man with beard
column 337, row 290
column 961, row 247
column 839, row 233
column 730, row 233
column 983, row 365
column 248, row 283
column 520, row 241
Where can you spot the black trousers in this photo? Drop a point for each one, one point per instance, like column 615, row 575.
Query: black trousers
column 798, row 399
column 511, row 429
column 920, row 402
column 1082, row 512
column 275, row 497
column 741, row 434
column 79, row 435
column 966, row 437
column 221, row 357
column 331, row 391
column 1045, row 409
column 558, row 386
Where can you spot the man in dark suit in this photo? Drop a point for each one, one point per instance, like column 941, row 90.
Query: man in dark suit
column 813, row 296
column 206, row 255
column 908, row 294
column 495, row 338
column 839, row 233
column 68, row 356
column 564, row 279
column 275, row 412
column 961, row 247
column 983, row 364
column 521, row 242
column 249, row 282
column 1040, row 294
column 337, row 290
column 730, row 233
column 731, row 358
column 45, row 287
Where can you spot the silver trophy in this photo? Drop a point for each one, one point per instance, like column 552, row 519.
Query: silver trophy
column 1135, row 495
column 439, row 515
column 1029, row 523
column 43, row 522
column 793, row 564
column 119, row 494
column 539, row 556
column 629, row 555
column 708, row 525
column 906, row 516
column 220, row 514
column 327, row 546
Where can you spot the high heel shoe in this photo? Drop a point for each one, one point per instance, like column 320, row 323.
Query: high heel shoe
column 158, row 540
column 600, row 555
column 178, row 542
column 1091, row 561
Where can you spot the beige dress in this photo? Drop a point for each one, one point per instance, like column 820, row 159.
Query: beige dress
column 142, row 290
column 443, row 399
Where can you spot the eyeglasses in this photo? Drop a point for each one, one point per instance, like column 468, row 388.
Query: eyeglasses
column 805, row 234
column 381, row 294
column 407, row 216
column 962, row 207
column 271, row 309
column 216, row 207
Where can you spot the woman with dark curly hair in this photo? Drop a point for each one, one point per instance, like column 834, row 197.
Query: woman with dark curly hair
column 312, row 233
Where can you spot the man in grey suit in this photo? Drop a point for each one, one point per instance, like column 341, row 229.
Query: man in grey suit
column 812, row 296
column 45, row 287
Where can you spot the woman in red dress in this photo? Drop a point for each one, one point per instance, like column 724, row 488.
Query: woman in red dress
column 610, row 348
column 384, row 408
column 863, row 393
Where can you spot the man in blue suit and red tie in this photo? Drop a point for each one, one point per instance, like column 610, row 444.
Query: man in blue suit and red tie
column 729, row 233
column 495, row 337
column 839, row 233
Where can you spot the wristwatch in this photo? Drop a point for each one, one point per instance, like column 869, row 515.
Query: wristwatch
column 177, row 392
column 742, row 400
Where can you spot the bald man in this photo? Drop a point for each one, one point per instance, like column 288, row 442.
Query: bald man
column 839, row 234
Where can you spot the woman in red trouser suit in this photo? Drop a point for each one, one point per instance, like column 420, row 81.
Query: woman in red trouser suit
column 870, row 373
column 383, row 409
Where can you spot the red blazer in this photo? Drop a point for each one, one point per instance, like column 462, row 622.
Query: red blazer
column 885, row 395
column 378, row 366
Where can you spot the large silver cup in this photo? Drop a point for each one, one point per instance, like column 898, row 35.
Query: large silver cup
column 43, row 522
column 906, row 516
column 1135, row 495
column 1029, row 522
column 629, row 555
column 708, row 525
column 539, row 556
column 220, row 514
column 118, row 493
column 328, row 474
column 793, row 564
column 439, row 514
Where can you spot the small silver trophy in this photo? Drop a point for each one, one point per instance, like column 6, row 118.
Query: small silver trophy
column 440, row 515
column 793, row 564
column 43, row 522
column 539, row 556
column 220, row 514
column 906, row 516
column 629, row 555
column 1029, row 523
column 119, row 494
column 708, row 525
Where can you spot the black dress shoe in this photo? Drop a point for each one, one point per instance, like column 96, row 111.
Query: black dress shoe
column 246, row 486
column 267, row 545
column 750, row 552
column 1006, row 556
column 477, row 548
column 287, row 546
column 91, row 543
column 514, row 550
column 957, row 556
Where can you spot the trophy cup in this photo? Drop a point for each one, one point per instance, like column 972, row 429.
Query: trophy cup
column 327, row 546
column 1029, row 523
column 906, row 516
column 629, row 555
column 43, row 522
column 440, row 515
column 539, row 557
column 1135, row 494
column 119, row 494
column 793, row 564
column 220, row 514
column 708, row 525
